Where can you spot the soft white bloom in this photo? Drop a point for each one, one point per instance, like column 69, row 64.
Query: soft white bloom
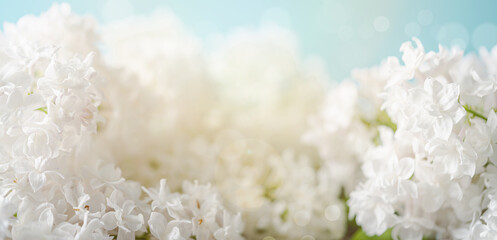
column 7, row 211
column 56, row 181
column 85, row 135
column 431, row 174
column 123, row 216
column 197, row 212
column 58, row 26
column 225, row 115
column 339, row 135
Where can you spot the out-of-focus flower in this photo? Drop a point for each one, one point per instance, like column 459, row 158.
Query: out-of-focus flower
column 225, row 115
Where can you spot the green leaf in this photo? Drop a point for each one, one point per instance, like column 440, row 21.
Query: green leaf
column 360, row 235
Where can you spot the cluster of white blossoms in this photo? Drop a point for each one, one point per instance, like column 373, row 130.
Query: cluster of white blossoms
column 54, row 184
column 423, row 134
column 150, row 103
column 232, row 115
column 252, row 139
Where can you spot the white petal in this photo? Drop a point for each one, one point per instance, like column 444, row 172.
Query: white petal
column 109, row 220
column 46, row 216
column 184, row 228
column 492, row 120
column 406, row 168
column 158, row 223
column 134, row 222
column 124, row 234
column 36, row 180
column 443, row 128
column 411, row 188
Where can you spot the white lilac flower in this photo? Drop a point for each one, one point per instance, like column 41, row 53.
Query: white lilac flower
column 75, row 34
column 7, row 217
column 411, row 143
column 198, row 112
column 339, row 134
column 163, row 121
column 55, row 183
column 197, row 212
column 431, row 176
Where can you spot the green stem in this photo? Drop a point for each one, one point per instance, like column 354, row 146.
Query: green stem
column 145, row 236
column 476, row 114
column 382, row 119
column 42, row 109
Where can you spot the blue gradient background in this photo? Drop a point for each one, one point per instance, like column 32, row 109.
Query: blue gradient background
column 345, row 34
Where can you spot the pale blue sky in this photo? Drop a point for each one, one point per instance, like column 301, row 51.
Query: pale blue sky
column 345, row 34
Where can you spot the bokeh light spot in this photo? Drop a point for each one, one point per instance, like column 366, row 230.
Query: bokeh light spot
column 485, row 35
column 452, row 35
column 268, row 238
column 302, row 218
column 308, row 237
column 425, row 17
column 332, row 213
column 381, row 24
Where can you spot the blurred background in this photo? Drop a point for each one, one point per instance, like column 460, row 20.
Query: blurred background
column 345, row 34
